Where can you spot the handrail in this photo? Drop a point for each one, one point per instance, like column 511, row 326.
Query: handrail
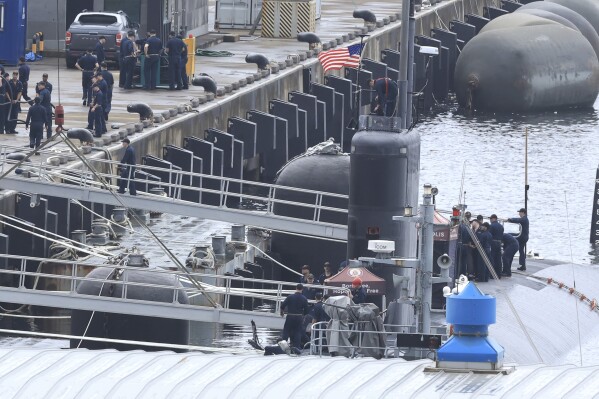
column 278, row 292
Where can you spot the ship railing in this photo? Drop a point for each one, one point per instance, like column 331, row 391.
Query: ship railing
column 26, row 274
column 316, row 203
column 355, row 331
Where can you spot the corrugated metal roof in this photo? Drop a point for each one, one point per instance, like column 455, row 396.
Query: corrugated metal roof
column 80, row 373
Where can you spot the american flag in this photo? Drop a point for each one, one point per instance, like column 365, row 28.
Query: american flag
column 335, row 59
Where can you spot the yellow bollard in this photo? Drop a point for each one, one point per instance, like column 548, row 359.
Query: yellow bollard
column 190, row 68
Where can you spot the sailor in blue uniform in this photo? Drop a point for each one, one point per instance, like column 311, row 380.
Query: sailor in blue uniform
column 4, row 103
column 319, row 315
column 466, row 247
column 523, row 237
column 24, row 77
column 129, row 50
column 309, row 292
column 358, row 293
column 46, row 102
column 16, row 91
column 184, row 59
column 485, row 239
column 127, row 168
column 152, row 50
column 496, row 230
column 86, row 64
column 109, row 79
column 122, row 66
column 95, row 115
column 36, row 118
column 174, row 47
column 48, row 84
column 386, row 93
column 326, row 274
column 99, row 50
column 296, row 306
column 510, row 247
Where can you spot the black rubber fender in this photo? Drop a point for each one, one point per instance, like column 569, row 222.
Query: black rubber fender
column 581, row 23
column 308, row 37
column 144, row 111
column 529, row 68
column 366, row 15
column 548, row 15
column 17, row 156
column 84, row 135
column 258, row 59
column 206, row 82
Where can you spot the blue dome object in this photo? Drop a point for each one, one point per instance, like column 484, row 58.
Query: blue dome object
column 471, row 308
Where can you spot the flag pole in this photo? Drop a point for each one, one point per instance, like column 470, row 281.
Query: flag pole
column 354, row 122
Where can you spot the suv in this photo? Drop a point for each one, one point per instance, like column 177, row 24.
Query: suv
column 84, row 32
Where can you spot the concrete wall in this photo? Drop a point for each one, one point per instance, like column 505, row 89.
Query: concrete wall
column 195, row 16
column 42, row 16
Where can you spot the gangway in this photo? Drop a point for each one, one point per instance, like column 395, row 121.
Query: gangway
column 272, row 293
column 78, row 182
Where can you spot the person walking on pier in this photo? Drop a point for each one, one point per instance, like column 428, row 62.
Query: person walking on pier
column 523, row 237
column 48, row 84
column 16, row 91
column 386, row 93
column 86, row 64
column 99, row 50
column 184, row 59
column 510, row 247
column 46, row 102
column 36, row 118
column 130, row 59
column 109, row 79
column 127, row 168
column 152, row 50
column 496, row 230
column 296, row 306
column 174, row 47
column 24, row 71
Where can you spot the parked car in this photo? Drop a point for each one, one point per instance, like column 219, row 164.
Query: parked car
column 88, row 26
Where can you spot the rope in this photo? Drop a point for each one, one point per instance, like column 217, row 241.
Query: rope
column 213, row 53
column 267, row 256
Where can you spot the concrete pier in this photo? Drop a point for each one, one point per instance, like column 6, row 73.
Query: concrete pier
column 247, row 89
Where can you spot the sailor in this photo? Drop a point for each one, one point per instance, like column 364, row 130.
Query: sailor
column 327, row 273
column 386, row 93
column 86, row 64
column 466, row 247
column 357, row 293
column 96, row 111
column 101, row 83
column 16, row 91
column 122, row 66
column 296, row 306
column 152, row 50
column 48, row 84
column 127, row 168
column 99, row 50
column 510, row 247
column 305, row 272
column 174, row 47
column 309, row 292
column 4, row 103
column 109, row 79
column 523, row 237
column 37, row 118
column 485, row 239
column 130, row 59
column 184, row 59
column 24, row 77
column 496, row 230
column 46, row 102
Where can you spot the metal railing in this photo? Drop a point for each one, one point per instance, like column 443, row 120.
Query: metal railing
column 79, row 174
column 27, row 281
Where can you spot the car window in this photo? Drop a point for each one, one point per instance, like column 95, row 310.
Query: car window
column 97, row 19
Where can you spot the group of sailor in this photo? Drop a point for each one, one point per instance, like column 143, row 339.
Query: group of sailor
column 498, row 246
column 13, row 92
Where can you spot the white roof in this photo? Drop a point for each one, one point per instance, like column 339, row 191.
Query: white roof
column 69, row 373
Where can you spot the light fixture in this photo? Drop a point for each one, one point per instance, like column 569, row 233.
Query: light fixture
column 428, row 189
column 407, row 211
